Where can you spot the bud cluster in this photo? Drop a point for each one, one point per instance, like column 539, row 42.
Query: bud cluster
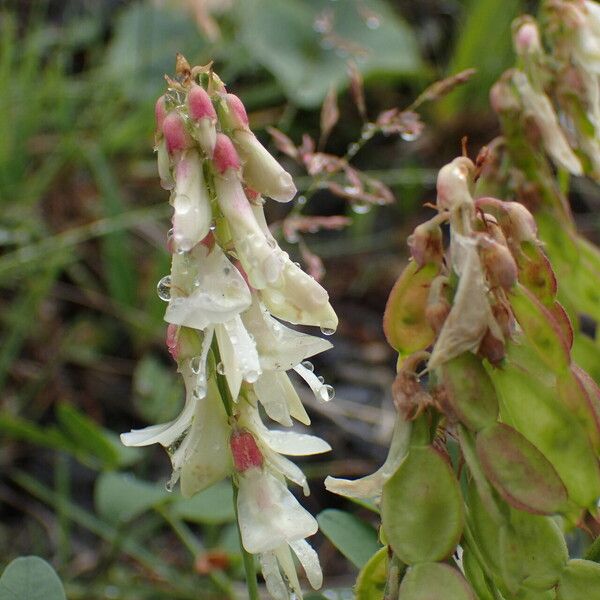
column 229, row 285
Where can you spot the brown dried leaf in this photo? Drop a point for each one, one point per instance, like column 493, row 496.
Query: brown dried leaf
column 440, row 88
column 298, row 224
column 283, row 142
column 329, row 115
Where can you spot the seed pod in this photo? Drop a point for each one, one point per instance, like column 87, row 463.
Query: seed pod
column 475, row 574
column 532, row 552
column 579, row 579
column 536, row 273
column 422, row 509
column 499, row 263
column 370, row 582
column 540, row 328
column 519, row 471
column 426, row 244
column 470, row 392
column 531, row 405
column 429, row 581
column 404, row 324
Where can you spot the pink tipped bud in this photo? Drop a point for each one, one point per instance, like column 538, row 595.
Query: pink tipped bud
column 245, row 451
column 225, row 155
column 499, row 263
column 172, row 340
column 160, row 112
column 453, row 183
column 425, row 244
column 237, row 112
column 176, row 135
column 200, row 105
column 502, row 97
column 527, row 38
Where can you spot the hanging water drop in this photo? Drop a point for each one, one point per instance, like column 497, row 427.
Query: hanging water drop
column 163, row 288
column 221, row 369
column 195, row 364
column 409, row 136
column 308, row 365
column 321, row 378
column 361, row 208
column 326, row 393
column 327, row 330
column 169, row 486
column 251, row 376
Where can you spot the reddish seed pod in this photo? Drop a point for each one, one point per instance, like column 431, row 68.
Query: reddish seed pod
column 245, row 451
column 498, row 262
column 426, row 245
column 492, row 348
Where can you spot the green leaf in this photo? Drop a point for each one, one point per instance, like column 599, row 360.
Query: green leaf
column 422, row 508
column 280, row 35
column 120, row 497
column 370, row 584
column 580, row 579
column 212, row 506
column 429, row 581
column 354, row 538
column 30, row 578
column 86, row 436
column 475, row 575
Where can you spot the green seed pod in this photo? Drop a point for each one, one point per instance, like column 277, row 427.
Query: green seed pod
column 532, row 552
column 404, row 324
column 540, row 328
column 470, row 392
column 422, row 508
column 370, row 584
column 433, row 581
column 536, row 274
column 579, row 580
column 533, row 408
column 475, row 575
column 519, row 471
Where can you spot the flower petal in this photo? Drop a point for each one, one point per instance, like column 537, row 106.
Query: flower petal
column 273, row 579
column 217, row 294
column 286, row 561
column 280, row 400
column 269, row 514
column 370, row 487
column 287, row 468
column 319, row 389
column 310, row 562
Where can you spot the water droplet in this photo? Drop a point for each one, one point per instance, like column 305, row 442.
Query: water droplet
column 409, row 136
column 195, row 364
column 169, row 486
column 182, row 204
column 321, row 378
column 353, row 148
column 212, row 227
column 308, row 365
column 221, row 369
column 163, row 288
column 326, row 393
column 327, row 330
column 361, row 208
column 373, row 22
column 301, row 200
column 251, row 376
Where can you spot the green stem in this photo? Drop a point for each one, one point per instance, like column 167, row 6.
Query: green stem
column 392, row 582
column 248, row 558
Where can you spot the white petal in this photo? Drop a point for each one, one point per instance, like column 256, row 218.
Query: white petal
column 238, row 354
column 269, row 515
column 279, row 347
column 208, row 458
column 273, row 579
column 287, row 468
column 260, row 256
column 370, row 487
column 218, row 294
column 319, row 389
column 284, row 442
column 279, row 398
column 310, row 562
column 200, row 382
column 297, row 298
column 192, row 217
column 164, row 165
column 286, row 561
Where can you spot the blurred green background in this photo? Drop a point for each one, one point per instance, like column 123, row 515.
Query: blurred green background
column 83, row 226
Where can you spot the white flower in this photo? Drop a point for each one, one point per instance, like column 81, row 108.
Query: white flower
column 371, row 486
column 192, row 216
column 587, row 40
column 539, row 108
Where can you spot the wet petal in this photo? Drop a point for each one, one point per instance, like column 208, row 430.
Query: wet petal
column 273, row 579
column 280, row 400
column 310, row 562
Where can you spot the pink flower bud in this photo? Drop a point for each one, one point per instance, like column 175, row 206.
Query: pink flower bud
column 498, row 262
column 160, row 111
column 200, row 105
column 425, row 244
column 176, row 135
column 245, row 451
column 172, row 340
column 527, row 38
column 225, row 155
column 237, row 112
column 502, row 97
column 453, row 183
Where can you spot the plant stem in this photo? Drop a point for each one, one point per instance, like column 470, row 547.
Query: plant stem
column 248, row 558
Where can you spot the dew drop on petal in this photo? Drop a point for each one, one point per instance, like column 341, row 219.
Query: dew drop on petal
column 409, row 136
column 327, row 330
column 163, row 288
column 251, row 376
column 195, row 364
column 321, row 378
column 308, row 365
column 326, row 393
column 361, row 208
column 373, row 22
column 221, row 369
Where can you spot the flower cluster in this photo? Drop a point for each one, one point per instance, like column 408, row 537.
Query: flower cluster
column 229, row 285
